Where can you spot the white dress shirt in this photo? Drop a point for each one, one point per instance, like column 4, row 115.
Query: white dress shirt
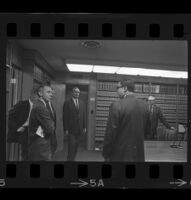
column 76, row 102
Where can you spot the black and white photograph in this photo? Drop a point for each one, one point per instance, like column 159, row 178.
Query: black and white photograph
column 96, row 100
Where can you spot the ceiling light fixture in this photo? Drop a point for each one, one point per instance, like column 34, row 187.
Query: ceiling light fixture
column 105, row 69
column 126, row 71
column 90, row 44
column 152, row 72
column 79, row 68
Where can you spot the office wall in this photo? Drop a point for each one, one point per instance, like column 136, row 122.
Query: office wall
column 58, row 102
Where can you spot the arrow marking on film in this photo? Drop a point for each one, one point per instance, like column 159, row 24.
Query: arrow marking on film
column 179, row 183
column 81, row 183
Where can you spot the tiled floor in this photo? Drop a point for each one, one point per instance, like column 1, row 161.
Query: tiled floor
column 155, row 151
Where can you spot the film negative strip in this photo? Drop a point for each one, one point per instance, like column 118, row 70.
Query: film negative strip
column 87, row 57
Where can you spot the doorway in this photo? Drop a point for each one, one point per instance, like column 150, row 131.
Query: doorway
column 83, row 97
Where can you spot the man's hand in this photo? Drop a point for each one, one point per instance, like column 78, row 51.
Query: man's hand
column 66, row 132
column 21, row 129
column 172, row 128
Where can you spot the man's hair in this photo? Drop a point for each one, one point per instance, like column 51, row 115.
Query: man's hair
column 33, row 91
column 129, row 84
column 75, row 87
column 40, row 87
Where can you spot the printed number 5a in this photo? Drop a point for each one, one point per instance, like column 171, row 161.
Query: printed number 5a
column 94, row 183
column 2, row 182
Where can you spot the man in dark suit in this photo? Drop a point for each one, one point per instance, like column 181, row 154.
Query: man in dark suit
column 18, row 122
column 74, row 122
column 156, row 115
column 42, row 125
column 127, row 124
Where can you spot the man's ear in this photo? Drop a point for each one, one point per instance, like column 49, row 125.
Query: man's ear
column 125, row 88
column 40, row 93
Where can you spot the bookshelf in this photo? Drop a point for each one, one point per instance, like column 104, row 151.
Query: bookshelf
column 171, row 98
column 105, row 95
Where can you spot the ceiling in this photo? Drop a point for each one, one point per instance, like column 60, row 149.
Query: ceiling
column 159, row 54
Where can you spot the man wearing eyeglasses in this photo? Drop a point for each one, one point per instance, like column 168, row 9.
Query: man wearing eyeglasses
column 127, row 124
column 74, row 122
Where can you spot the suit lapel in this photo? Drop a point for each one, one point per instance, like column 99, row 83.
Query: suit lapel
column 74, row 105
column 28, row 106
column 52, row 115
column 54, row 112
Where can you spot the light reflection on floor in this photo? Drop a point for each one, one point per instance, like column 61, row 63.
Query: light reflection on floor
column 155, row 151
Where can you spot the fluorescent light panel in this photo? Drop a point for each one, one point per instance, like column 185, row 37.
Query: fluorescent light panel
column 152, row 72
column 80, row 68
column 126, row 71
column 105, row 69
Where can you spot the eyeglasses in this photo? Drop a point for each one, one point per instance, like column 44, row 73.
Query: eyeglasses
column 119, row 87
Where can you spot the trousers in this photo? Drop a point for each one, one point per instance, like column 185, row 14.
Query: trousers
column 73, row 144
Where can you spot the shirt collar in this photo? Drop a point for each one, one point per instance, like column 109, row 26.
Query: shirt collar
column 74, row 99
column 41, row 99
column 31, row 103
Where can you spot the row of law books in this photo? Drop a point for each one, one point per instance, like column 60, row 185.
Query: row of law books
column 101, row 128
column 106, row 98
column 167, row 89
column 155, row 88
column 166, row 106
column 183, row 98
column 183, row 90
column 142, row 88
column 102, row 108
column 110, row 86
column 103, row 103
column 107, row 93
column 166, row 96
column 102, row 114
column 101, row 123
column 167, row 102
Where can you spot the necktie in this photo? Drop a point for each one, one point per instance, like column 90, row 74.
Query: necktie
column 77, row 106
column 50, row 109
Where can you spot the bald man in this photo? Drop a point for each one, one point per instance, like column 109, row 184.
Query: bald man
column 156, row 115
column 42, row 127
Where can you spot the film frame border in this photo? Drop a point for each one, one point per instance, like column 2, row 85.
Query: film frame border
column 97, row 27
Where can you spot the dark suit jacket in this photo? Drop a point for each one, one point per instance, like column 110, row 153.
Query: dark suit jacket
column 40, row 148
column 53, row 139
column 17, row 117
column 127, row 124
column 155, row 117
column 74, row 120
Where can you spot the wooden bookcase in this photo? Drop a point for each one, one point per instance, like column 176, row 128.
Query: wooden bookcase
column 170, row 97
